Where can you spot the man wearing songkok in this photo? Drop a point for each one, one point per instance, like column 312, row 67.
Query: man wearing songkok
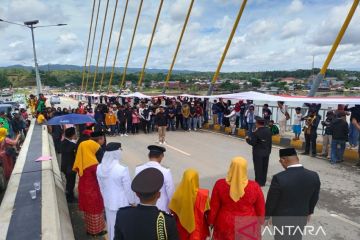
column 261, row 141
column 292, row 196
column 115, row 184
column 156, row 155
column 99, row 137
column 68, row 153
column 146, row 221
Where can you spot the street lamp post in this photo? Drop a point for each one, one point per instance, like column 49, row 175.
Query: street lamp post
column 31, row 26
column 38, row 80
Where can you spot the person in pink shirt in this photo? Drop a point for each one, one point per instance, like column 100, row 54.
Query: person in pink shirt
column 135, row 120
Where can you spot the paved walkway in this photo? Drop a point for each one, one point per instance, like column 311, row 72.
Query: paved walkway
column 210, row 153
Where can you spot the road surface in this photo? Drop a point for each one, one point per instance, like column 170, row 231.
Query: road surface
column 338, row 209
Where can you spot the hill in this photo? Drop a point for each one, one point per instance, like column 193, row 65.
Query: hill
column 60, row 75
column 61, row 67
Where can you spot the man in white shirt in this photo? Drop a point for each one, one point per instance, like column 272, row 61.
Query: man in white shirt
column 282, row 117
column 156, row 155
column 115, row 184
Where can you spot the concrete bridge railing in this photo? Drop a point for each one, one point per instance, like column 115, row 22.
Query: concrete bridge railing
column 47, row 216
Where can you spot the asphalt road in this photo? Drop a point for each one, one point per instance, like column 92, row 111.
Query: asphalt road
column 338, row 209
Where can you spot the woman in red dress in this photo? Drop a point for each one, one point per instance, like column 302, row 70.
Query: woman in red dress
column 190, row 205
column 237, row 205
column 6, row 144
column 90, row 199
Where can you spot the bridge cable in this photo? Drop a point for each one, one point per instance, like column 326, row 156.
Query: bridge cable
column 131, row 45
column 92, row 46
column 178, row 47
column 321, row 75
column 150, row 44
column 118, row 45
column 216, row 75
column 101, row 40
column 88, row 45
column 108, row 46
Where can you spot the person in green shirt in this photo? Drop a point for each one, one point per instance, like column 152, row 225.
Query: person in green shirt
column 274, row 129
column 4, row 121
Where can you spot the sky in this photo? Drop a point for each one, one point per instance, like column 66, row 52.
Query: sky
column 272, row 34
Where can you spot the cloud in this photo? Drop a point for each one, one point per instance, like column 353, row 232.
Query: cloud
column 21, row 55
column 15, row 44
column 292, row 29
column 68, row 43
column 295, row 6
column 326, row 32
column 271, row 34
column 261, row 28
column 224, row 22
column 2, row 25
column 25, row 10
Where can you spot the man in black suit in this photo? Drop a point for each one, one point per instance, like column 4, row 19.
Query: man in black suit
column 292, row 196
column 68, row 153
column 261, row 141
column 145, row 221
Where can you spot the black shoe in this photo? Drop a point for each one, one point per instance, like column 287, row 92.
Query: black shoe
column 71, row 199
column 102, row 233
column 304, row 153
column 358, row 164
column 313, row 155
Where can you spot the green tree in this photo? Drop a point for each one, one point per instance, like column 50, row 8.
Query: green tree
column 4, row 82
column 255, row 83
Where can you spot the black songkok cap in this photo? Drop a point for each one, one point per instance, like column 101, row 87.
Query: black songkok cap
column 97, row 134
column 148, row 181
column 156, row 149
column 69, row 132
column 287, row 152
column 260, row 120
column 113, row 146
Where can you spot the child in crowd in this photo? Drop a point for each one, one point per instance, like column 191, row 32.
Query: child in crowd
column 135, row 121
column 297, row 123
column 274, row 129
column 41, row 118
column 110, row 121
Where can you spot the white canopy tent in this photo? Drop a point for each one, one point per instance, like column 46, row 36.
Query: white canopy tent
column 252, row 95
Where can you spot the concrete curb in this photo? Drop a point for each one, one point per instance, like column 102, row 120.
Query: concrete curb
column 350, row 155
column 56, row 222
column 55, row 218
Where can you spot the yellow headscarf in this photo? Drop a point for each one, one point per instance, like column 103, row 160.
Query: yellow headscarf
column 86, row 156
column 183, row 200
column 3, row 134
column 237, row 178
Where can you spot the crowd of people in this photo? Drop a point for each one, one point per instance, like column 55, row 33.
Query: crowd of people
column 150, row 207
column 13, row 129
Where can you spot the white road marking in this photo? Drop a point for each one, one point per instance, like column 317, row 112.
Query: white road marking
column 345, row 220
column 178, row 150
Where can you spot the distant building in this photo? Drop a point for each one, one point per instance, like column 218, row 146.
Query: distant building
column 128, row 84
column 353, row 78
column 171, row 85
column 337, row 84
column 288, row 80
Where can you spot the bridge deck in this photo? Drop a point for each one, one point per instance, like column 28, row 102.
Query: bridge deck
column 211, row 153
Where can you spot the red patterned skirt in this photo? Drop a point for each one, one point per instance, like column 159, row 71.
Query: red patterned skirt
column 94, row 223
column 7, row 164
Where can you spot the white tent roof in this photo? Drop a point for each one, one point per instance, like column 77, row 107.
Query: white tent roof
column 256, row 96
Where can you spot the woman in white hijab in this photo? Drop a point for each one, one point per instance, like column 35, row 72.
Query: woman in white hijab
column 115, row 184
